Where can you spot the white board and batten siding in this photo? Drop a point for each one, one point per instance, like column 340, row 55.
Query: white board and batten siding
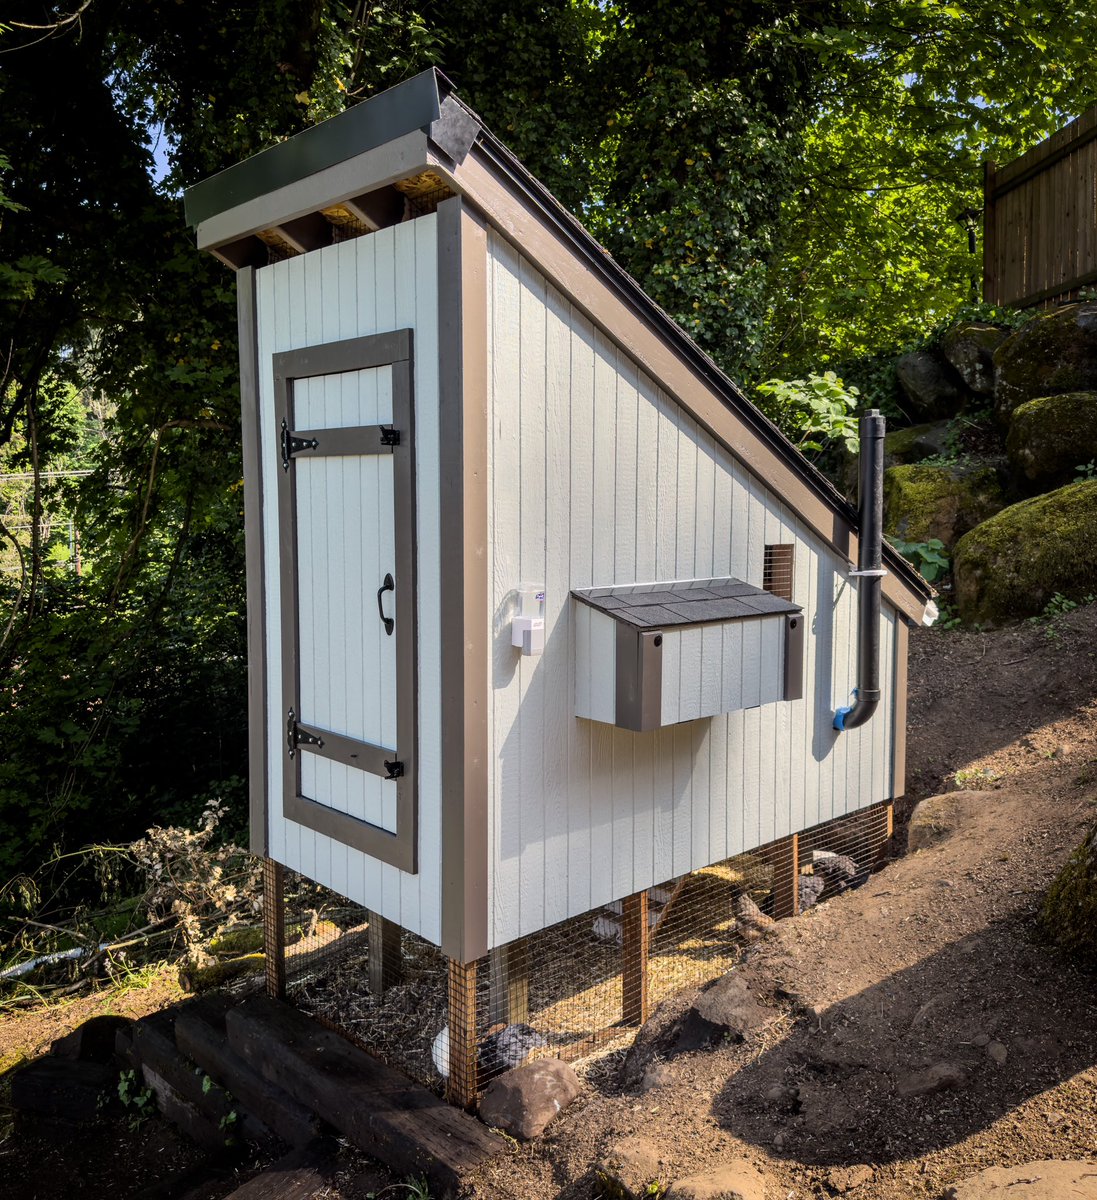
column 373, row 284
column 598, row 478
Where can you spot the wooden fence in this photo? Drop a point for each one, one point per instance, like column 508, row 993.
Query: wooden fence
column 1040, row 220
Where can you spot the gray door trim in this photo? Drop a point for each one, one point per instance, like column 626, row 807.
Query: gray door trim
column 400, row 849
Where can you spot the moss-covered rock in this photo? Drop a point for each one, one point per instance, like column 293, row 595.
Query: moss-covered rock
column 907, row 445
column 1050, row 437
column 916, row 442
column 1012, row 564
column 923, row 502
column 1053, row 353
column 969, row 349
column 1070, row 908
column 931, row 388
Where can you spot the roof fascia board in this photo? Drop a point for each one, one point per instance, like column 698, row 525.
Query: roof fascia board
column 413, row 104
column 407, row 155
column 631, row 326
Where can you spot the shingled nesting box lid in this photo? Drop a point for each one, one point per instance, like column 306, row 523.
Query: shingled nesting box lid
column 690, row 602
column 657, row 654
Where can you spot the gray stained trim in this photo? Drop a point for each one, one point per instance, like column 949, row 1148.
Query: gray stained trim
column 413, row 104
column 401, row 848
column 899, row 715
column 794, row 656
column 253, row 542
column 639, row 681
column 466, row 692
column 689, row 602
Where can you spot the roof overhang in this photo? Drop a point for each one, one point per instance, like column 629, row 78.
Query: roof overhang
column 418, row 138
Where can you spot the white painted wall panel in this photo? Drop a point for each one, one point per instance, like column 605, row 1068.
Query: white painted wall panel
column 372, row 284
column 597, row 477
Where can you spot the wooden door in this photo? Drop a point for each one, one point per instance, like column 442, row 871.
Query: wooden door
column 346, row 511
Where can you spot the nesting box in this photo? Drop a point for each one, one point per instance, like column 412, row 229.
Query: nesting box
column 542, row 611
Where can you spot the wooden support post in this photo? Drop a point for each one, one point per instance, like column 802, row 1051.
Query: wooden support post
column 461, row 1085
column 274, row 929
column 785, row 858
column 886, row 826
column 635, row 942
column 386, row 962
column 508, row 1002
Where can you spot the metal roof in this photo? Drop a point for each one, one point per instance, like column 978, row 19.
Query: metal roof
column 684, row 602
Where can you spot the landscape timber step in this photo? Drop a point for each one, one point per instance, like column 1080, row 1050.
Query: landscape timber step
column 200, row 1034
column 380, row 1110
column 201, row 1108
column 301, row 1175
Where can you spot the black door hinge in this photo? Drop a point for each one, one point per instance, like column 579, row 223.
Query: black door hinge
column 291, row 444
column 390, row 436
column 395, row 769
column 296, row 736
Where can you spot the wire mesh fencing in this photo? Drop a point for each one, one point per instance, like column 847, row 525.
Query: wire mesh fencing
column 567, row 991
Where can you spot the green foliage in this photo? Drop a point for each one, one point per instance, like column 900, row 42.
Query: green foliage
column 138, row 1100
column 930, row 557
column 812, row 412
column 1086, row 470
column 876, row 245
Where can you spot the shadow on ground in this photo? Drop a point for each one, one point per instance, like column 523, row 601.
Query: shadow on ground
column 922, row 1060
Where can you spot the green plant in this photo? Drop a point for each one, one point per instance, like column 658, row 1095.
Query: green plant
column 139, row 1101
column 813, row 411
column 413, row 1189
column 974, row 779
column 930, row 558
column 1085, row 471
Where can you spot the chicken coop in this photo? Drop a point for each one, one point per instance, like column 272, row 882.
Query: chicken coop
column 554, row 640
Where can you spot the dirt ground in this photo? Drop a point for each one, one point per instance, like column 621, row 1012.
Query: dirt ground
column 938, row 962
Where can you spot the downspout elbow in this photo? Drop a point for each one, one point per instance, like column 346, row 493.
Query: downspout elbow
column 853, row 715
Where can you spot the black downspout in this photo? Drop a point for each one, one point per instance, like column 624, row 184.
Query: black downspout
column 869, row 574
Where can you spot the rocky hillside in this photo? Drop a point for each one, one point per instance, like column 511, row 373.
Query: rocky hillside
column 999, row 471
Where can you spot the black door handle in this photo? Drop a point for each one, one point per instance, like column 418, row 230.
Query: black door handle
column 387, row 586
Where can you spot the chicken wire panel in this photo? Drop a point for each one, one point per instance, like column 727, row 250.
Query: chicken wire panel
column 354, row 971
column 567, row 991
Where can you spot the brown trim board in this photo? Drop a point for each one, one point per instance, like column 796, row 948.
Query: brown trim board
column 626, row 327
column 463, row 415
column 253, row 542
column 899, row 732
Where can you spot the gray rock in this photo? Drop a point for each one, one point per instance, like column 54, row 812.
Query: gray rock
column 847, row 1179
column 933, row 820
column 524, row 1100
column 969, row 349
column 738, row 1179
column 627, row 1168
column 931, row 387
column 657, row 1074
column 1049, row 1179
column 997, row 1052
column 941, row 1077
column 726, row 1011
